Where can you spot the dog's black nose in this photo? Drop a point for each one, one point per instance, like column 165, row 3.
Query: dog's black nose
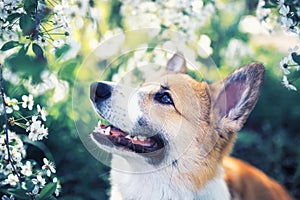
column 100, row 91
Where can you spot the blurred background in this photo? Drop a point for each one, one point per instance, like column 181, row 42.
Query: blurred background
column 219, row 35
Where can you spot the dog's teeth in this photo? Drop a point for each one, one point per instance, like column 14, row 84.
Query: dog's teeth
column 107, row 131
column 97, row 129
column 142, row 138
column 128, row 137
column 135, row 138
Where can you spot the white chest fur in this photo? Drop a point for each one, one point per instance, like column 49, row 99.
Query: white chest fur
column 161, row 185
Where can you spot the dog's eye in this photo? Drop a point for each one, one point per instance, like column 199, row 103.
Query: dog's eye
column 164, row 98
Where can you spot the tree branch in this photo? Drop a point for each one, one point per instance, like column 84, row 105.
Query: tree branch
column 10, row 159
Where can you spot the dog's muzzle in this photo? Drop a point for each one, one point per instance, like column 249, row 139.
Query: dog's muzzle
column 100, row 91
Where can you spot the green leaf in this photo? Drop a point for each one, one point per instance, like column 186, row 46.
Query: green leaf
column 26, row 24
column 39, row 145
column 68, row 70
column 18, row 193
column 59, row 52
column 296, row 58
column 37, row 50
column 12, row 17
column 30, row 6
column 295, row 75
column 269, row 6
column 151, row 46
column 10, row 45
column 114, row 18
column 274, row 2
column 23, row 50
column 26, row 66
column 51, row 198
column 47, row 191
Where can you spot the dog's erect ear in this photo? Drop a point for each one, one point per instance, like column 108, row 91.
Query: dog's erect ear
column 177, row 63
column 235, row 97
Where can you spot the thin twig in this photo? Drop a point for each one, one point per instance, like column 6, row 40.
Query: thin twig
column 10, row 159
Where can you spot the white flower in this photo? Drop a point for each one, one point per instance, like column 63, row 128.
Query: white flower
column 16, row 147
column 74, row 48
column 58, row 21
column 204, row 48
column 8, row 110
column 284, row 10
column 36, row 130
column 280, row 2
column 148, row 7
column 3, row 11
column 34, row 123
column 15, row 154
column 43, row 133
column 27, row 169
column 4, row 197
column 10, row 76
column 27, row 101
column 49, row 167
column 56, row 192
column 9, row 32
column 13, row 137
column 43, row 41
column 12, row 180
column 235, row 51
column 185, row 16
column 284, row 65
column 39, row 181
column 287, row 84
column 262, row 12
column 287, row 22
column 58, row 43
column 197, row 5
column 42, row 112
column 58, row 186
column 12, row 104
column 35, row 190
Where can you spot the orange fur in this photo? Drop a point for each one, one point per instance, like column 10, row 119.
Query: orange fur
column 248, row 183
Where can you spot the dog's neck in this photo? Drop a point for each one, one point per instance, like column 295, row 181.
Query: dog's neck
column 163, row 184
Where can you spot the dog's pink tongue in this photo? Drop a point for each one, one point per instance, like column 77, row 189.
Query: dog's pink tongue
column 146, row 143
column 117, row 132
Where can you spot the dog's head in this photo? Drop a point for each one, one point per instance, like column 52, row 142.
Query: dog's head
column 175, row 115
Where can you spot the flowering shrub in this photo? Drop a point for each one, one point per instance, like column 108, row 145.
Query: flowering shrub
column 37, row 26
column 184, row 16
column 286, row 13
column 32, row 24
column 24, row 178
column 35, row 36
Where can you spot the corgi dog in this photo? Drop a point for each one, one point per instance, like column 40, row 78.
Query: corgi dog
column 171, row 138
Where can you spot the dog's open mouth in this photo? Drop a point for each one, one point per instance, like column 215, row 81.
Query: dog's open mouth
column 120, row 139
